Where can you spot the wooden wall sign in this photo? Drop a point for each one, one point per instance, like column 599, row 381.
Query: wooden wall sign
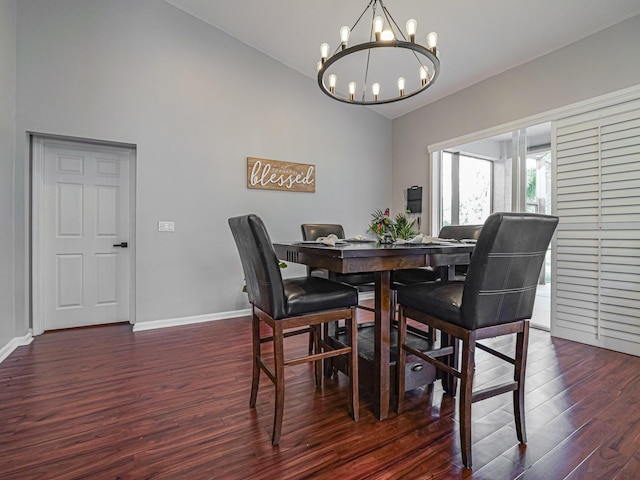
column 266, row 174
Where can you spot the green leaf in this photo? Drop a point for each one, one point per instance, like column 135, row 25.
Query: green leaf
column 405, row 228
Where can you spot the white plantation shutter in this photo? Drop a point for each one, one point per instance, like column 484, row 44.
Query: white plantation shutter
column 597, row 268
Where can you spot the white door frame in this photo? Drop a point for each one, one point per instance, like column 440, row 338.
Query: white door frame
column 38, row 143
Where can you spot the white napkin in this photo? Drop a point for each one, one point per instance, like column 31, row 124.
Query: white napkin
column 420, row 238
column 417, row 239
column 329, row 240
column 358, row 237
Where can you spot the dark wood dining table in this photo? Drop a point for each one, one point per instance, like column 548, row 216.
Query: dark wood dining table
column 355, row 257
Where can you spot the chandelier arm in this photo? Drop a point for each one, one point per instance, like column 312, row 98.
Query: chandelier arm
column 417, row 59
column 366, row 72
column 373, row 16
column 363, row 12
column 339, row 47
column 366, row 75
column 392, row 20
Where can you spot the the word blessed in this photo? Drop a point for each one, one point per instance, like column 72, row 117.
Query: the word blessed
column 275, row 175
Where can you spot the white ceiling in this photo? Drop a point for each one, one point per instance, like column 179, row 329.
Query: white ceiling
column 477, row 39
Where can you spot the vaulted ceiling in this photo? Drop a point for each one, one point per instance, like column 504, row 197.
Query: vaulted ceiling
column 477, row 39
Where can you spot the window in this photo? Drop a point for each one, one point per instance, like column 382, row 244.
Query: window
column 538, row 188
column 467, row 189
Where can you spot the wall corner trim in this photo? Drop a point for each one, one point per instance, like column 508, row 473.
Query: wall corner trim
column 15, row 343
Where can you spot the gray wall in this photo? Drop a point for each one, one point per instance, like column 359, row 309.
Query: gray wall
column 196, row 103
column 7, row 132
column 596, row 65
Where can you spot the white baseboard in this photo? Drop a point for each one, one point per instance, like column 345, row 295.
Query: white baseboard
column 176, row 322
column 15, row 343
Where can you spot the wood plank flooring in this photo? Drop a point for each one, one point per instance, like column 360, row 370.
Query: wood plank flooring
column 107, row 403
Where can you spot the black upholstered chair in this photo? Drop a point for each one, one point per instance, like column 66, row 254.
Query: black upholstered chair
column 289, row 307
column 496, row 299
column 460, row 232
column 411, row 276
column 364, row 282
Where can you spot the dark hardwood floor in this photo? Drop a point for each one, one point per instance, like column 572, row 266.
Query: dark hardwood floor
column 106, row 403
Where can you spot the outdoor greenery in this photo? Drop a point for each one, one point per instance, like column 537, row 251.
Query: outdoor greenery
column 531, row 184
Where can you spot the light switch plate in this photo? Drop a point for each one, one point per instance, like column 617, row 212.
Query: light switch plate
column 164, row 226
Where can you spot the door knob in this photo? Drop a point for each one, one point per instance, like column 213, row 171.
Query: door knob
column 121, row 245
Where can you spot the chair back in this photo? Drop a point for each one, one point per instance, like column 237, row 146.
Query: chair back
column 460, row 232
column 311, row 231
column 503, row 274
column 260, row 264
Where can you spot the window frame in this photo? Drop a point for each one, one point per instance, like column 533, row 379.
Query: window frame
column 455, row 185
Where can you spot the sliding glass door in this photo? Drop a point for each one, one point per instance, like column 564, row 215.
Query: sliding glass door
column 467, row 189
column 508, row 172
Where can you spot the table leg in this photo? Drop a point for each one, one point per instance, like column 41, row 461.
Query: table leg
column 382, row 332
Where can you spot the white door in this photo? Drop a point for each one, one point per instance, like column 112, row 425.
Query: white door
column 85, row 234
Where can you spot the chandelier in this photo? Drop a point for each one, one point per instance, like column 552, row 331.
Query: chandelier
column 385, row 67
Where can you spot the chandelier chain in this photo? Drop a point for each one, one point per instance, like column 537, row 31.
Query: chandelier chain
column 366, row 71
column 392, row 20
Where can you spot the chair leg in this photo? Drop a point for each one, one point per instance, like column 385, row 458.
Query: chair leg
column 353, row 367
column 329, row 329
column 450, row 382
column 394, row 305
column 255, row 381
column 466, row 395
column 401, row 361
column 278, row 354
column 522, row 343
column 317, row 365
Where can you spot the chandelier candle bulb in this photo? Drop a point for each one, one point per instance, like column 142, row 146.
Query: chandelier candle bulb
column 375, row 89
column 344, row 36
column 324, row 52
column 352, row 90
column 401, row 84
column 333, row 79
column 378, row 23
column 424, row 75
column 412, row 26
column 387, row 35
column 432, row 40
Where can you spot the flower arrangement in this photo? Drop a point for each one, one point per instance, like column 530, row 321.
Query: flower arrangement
column 382, row 224
column 388, row 230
